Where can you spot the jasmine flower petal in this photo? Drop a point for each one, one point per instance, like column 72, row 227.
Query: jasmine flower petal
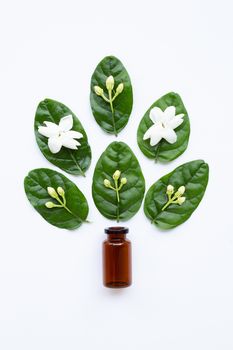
column 156, row 114
column 176, row 121
column 74, row 134
column 169, row 135
column 69, row 143
column 55, row 144
column 148, row 133
column 169, row 112
column 66, row 123
column 51, row 125
column 154, row 133
column 48, row 132
column 155, row 138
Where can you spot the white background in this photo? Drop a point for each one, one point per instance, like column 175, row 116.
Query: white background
column 51, row 293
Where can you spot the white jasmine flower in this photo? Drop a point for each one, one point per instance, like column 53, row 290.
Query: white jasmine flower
column 61, row 134
column 181, row 200
column 170, row 189
column 181, row 190
column 123, row 180
column 164, row 124
column 110, row 83
column 116, row 175
column 107, row 183
column 52, row 192
column 49, row 205
column 98, row 90
column 120, row 88
column 60, row 191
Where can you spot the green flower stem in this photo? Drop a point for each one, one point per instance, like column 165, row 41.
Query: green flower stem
column 110, row 100
column 120, row 187
column 105, row 98
column 117, row 190
column 64, row 205
column 172, row 200
column 118, row 197
column 116, row 94
column 57, row 205
column 166, row 205
column 112, row 109
column 64, row 199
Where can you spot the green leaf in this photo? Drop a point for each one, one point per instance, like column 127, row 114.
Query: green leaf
column 114, row 122
column 74, row 162
column 35, row 185
column 194, row 176
column 118, row 156
column 164, row 151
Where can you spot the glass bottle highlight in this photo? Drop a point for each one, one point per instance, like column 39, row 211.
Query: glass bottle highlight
column 117, row 258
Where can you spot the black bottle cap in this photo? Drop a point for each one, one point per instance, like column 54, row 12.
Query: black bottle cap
column 116, row 229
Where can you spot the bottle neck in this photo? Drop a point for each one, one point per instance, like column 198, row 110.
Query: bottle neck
column 116, row 236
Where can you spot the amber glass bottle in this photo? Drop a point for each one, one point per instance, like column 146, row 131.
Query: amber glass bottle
column 117, row 266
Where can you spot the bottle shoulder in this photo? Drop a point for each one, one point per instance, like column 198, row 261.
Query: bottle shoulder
column 116, row 242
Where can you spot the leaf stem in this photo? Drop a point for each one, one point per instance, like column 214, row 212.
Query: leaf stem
column 76, row 163
column 118, row 210
column 157, row 152
column 68, row 209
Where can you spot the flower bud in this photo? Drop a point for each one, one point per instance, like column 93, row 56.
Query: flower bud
column 170, row 189
column 123, row 180
column 98, row 90
column 110, row 83
column 52, row 192
column 181, row 190
column 120, row 88
column 49, row 205
column 107, row 183
column 181, row 200
column 60, row 191
column 116, row 175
